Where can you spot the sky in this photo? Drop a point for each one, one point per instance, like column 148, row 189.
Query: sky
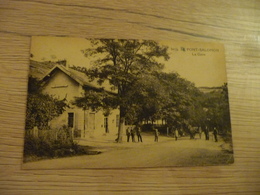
column 200, row 62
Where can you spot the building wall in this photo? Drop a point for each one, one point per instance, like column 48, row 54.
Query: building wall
column 95, row 124
column 62, row 86
column 63, row 118
column 111, row 122
column 86, row 123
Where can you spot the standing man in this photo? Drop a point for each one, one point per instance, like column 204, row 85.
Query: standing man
column 156, row 134
column 215, row 133
column 138, row 132
column 133, row 134
column 128, row 133
column 206, row 131
column 176, row 134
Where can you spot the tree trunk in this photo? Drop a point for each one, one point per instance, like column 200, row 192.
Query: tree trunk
column 121, row 126
column 84, row 133
column 121, row 130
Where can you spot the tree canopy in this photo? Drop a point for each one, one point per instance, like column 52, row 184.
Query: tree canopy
column 144, row 92
column 122, row 63
column 217, row 106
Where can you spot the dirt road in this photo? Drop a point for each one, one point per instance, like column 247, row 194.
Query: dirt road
column 167, row 152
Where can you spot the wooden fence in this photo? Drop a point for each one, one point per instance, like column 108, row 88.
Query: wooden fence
column 51, row 134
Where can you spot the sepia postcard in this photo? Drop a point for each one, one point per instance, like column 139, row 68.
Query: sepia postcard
column 126, row 103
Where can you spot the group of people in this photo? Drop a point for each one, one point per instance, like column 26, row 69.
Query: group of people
column 133, row 132
column 192, row 131
column 206, row 131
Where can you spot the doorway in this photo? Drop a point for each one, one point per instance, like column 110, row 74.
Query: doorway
column 71, row 119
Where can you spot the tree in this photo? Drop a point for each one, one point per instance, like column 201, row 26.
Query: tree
column 41, row 108
column 217, row 106
column 148, row 98
column 122, row 62
column 181, row 99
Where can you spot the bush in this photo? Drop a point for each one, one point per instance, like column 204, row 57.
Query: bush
column 49, row 146
column 41, row 108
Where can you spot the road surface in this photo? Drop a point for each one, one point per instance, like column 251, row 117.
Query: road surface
column 165, row 153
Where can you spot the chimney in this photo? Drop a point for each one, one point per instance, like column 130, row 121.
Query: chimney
column 63, row 63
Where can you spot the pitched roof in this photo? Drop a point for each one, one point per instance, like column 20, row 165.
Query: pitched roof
column 77, row 76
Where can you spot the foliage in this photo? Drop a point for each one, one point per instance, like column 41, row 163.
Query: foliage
column 217, row 106
column 146, row 99
column 181, row 104
column 122, row 62
column 41, row 108
column 49, row 146
column 182, row 94
column 95, row 100
column 168, row 96
column 188, row 107
column 133, row 68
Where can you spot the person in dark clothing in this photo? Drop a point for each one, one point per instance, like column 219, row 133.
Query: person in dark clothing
column 156, row 134
column 206, row 131
column 176, row 134
column 215, row 133
column 128, row 133
column 133, row 134
column 138, row 132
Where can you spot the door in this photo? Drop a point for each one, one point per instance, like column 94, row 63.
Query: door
column 106, row 125
column 91, row 123
column 71, row 123
column 71, row 119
